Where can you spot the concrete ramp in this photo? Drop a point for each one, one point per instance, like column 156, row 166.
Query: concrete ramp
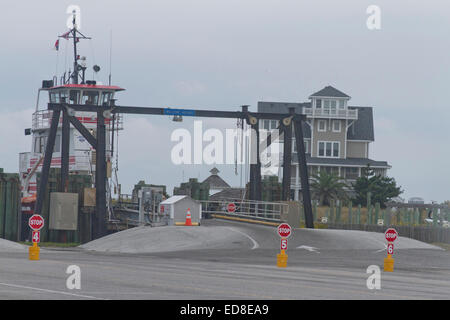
column 355, row 240
column 169, row 238
column 10, row 246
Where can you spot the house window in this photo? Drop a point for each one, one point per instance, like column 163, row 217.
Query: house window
column 335, row 149
column 336, row 126
column 273, row 124
column 322, row 126
column 333, row 104
column 318, row 103
column 351, row 173
column 305, row 144
column 341, row 103
column 266, row 124
column 331, row 170
column 328, row 149
column 321, row 149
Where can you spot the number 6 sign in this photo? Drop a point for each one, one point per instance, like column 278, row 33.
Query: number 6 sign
column 390, row 248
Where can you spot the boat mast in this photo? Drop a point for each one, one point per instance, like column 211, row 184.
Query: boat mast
column 75, row 63
column 76, row 35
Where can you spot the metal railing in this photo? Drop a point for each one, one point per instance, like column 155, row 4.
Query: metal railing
column 331, row 113
column 261, row 210
column 42, row 120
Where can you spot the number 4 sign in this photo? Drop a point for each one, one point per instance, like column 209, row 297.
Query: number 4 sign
column 36, row 236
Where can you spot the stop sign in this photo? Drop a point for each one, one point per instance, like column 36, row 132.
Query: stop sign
column 284, row 230
column 231, row 207
column 391, row 235
column 36, row 222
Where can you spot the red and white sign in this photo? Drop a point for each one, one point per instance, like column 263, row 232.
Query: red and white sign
column 36, row 222
column 231, row 207
column 36, row 237
column 390, row 248
column 283, row 244
column 284, row 230
column 391, row 235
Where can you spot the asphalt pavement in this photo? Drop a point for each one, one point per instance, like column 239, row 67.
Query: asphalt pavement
column 238, row 261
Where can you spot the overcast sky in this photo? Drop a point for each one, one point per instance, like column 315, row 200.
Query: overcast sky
column 217, row 54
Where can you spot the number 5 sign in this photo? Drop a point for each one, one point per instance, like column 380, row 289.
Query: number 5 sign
column 283, row 244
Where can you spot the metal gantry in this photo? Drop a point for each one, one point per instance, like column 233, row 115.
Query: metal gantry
column 99, row 144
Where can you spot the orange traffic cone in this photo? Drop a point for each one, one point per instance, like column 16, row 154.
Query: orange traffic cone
column 188, row 218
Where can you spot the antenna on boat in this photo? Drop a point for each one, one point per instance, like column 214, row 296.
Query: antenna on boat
column 76, row 35
column 110, row 57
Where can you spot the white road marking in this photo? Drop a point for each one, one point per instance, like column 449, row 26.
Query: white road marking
column 310, row 249
column 255, row 244
column 49, row 291
column 385, row 248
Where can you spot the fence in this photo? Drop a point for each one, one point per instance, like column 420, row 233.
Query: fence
column 259, row 210
column 427, row 223
column 9, row 205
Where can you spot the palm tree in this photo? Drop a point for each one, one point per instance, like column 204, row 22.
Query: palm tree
column 326, row 187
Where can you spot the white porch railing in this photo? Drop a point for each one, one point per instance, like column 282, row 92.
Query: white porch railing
column 351, row 114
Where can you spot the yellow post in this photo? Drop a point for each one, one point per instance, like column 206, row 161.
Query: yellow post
column 282, row 259
column 389, row 264
column 33, row 252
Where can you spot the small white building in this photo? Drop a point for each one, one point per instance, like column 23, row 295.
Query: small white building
column 176, row 209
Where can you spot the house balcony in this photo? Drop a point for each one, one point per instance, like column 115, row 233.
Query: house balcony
column 349, row 114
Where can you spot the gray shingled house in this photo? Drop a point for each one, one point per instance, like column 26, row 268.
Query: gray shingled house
column 216, row 183
column 337, row 136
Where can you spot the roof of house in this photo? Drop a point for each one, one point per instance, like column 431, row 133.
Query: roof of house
column 330, row 91
column 361, row 129
column 228, row 194
column 216, row 182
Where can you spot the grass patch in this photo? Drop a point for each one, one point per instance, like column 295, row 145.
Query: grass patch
column 53, row 244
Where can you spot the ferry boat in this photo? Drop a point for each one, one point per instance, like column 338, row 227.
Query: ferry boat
column 72, row 88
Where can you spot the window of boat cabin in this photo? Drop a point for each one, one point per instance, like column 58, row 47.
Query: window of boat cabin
column 54, row 97
column 90, row 97
column 74, row 96
column 106, row 97
column 58, row 96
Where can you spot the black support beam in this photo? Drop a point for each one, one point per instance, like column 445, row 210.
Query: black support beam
column 304, row 180
column 42, row 189
column 100, row 176
column 287, row 161
column 65, row 145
